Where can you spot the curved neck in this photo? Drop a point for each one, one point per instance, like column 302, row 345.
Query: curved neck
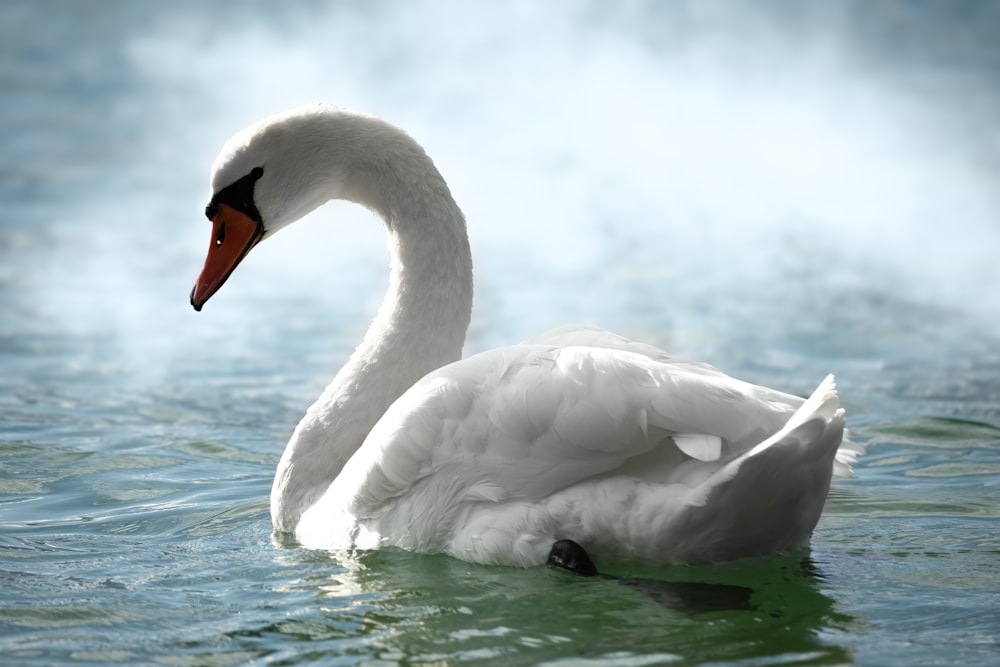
column 419, row 327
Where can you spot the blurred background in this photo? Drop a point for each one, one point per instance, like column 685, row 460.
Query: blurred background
column 783, row 189
column 768, row 184
column 685, row 156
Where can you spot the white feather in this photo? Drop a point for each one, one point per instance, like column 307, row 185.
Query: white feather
column 577, row 433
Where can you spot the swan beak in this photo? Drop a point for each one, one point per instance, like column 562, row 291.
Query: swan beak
column 234, row 234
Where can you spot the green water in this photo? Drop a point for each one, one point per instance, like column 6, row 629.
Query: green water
column 781, row 192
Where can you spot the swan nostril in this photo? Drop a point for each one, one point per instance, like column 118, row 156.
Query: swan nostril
column 220, row 235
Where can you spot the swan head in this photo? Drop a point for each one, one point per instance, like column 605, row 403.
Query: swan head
column 271, row 174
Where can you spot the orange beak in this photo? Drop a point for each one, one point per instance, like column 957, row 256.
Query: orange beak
column 233, row 235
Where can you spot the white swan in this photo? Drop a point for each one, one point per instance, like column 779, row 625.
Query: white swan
column 578, row 434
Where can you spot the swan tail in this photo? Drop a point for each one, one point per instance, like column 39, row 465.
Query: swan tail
column 847, row 454
column 770, row 498
column 824, row 400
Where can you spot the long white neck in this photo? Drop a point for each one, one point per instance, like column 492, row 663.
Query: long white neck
column 421, row 324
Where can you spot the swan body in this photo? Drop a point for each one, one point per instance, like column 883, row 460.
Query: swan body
column 577, row 434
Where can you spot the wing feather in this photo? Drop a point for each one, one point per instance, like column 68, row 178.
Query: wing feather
column 532, row 419
column 489, row 457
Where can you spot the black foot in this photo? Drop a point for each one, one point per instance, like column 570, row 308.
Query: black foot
column 569, row 555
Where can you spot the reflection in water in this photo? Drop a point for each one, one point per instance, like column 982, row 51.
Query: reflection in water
column 434, row 608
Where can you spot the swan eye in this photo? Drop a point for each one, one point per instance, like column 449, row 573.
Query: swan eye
column 238, row 196
column 220, row 235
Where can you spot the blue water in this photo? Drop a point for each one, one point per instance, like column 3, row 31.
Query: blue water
column 782, row 189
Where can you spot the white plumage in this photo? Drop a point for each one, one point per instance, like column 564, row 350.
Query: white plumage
column 577, row 434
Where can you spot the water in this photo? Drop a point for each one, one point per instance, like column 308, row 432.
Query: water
column 782, row 190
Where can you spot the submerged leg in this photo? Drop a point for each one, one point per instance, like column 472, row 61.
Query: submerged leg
column 688, row 596
column 569, row 555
